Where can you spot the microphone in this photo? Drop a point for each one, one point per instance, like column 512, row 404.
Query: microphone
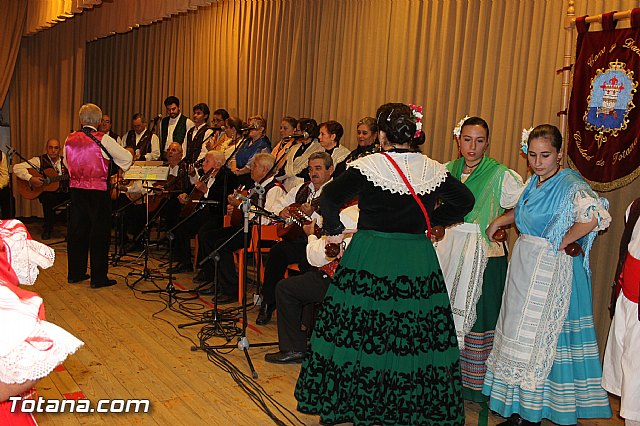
column 157, row 117
column 244, row 129
column 304, row 135
column 215, row 129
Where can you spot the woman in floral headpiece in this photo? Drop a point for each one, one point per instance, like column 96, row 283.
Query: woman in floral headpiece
column 30, row 347
column 475, row 268
column 384, row 349
column 545, row 361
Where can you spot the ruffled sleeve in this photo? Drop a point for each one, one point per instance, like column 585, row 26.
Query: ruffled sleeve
column 586, row 206
column 512, row 187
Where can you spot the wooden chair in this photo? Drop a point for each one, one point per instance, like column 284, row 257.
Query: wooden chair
column 267, row 233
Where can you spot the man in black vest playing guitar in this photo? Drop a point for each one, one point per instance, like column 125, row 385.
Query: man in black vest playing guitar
column 304, row 197
column 49, row 163
column 211, row 186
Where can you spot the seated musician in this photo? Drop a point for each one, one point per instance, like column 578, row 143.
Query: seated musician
column 51, row 161
column 145, row 143
column 286, row 252
column 294, row 293
column 133, row 202
column 210, row 239
column 177, row 183
column 212, row 185
column 220, row 140
column 256, row 141
column 297, row 162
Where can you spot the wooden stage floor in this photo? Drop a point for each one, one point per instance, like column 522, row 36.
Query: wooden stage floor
column 134, row 350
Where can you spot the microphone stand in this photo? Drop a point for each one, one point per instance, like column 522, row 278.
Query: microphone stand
column 215, row 318
column 12, row 207
column 243, row 341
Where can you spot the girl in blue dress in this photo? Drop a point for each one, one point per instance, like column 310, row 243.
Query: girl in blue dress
column 545, row 361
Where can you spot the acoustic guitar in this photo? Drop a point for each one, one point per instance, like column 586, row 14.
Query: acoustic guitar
column 292, row 229
column 195, row 195
column 299, row 218
column 51, row 183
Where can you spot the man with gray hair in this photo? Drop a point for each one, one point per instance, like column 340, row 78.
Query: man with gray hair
column 87, row 155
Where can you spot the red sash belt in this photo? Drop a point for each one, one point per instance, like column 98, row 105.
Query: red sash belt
column 630, row 278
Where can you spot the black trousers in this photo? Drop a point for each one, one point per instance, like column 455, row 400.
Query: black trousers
column 49, row 200
column 292, row 294
column 202, row 219
column 211, row 238
column 280, row 256
column 89, row 231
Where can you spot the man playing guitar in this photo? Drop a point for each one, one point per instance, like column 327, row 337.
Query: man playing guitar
column 51, row 161
column 286, row 252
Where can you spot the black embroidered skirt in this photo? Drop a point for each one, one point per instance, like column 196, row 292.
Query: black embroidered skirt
column 384, row 348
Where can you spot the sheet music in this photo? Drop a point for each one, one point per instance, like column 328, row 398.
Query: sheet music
column 147, row 170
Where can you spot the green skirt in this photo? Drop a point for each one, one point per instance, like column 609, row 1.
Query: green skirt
column 384, row 348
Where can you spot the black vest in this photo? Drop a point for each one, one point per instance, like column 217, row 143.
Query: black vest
column 45, row 163
column 194, row 143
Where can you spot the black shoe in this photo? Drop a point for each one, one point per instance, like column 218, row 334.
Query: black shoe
column 201, row 278
column 516, row 420
column 180, row 268
column 134, row 246
column 206, row 291
column 225, row 299
column 265, row 314
column 77, row 280
column 107, row 283
column 285, row 357
column 46, row 234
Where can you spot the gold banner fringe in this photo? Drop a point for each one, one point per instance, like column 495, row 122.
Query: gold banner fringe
column 608, row 186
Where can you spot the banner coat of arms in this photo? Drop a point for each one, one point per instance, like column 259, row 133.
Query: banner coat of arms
column 604, row 111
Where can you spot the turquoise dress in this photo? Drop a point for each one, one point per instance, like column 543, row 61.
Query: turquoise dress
column 572, row 389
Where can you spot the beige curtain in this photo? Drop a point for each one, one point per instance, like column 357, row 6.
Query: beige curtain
column 46, row 93
column 331, row 59
column 109, row 16
column 10, row 34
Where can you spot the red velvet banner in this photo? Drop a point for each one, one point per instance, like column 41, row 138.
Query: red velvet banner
column 604, row 110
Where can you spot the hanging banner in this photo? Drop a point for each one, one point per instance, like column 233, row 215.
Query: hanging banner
column 604, row 110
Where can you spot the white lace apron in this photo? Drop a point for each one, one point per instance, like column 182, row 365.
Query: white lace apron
column 535, row 304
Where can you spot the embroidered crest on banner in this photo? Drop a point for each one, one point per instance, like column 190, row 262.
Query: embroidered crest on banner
column 610, row 101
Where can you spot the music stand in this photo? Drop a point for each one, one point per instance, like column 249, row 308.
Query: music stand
column 63, row 205
column 146, row 171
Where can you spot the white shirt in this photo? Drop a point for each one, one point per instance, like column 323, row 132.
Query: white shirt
column 22, row 169
column 634, row 244
column 315, row 246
